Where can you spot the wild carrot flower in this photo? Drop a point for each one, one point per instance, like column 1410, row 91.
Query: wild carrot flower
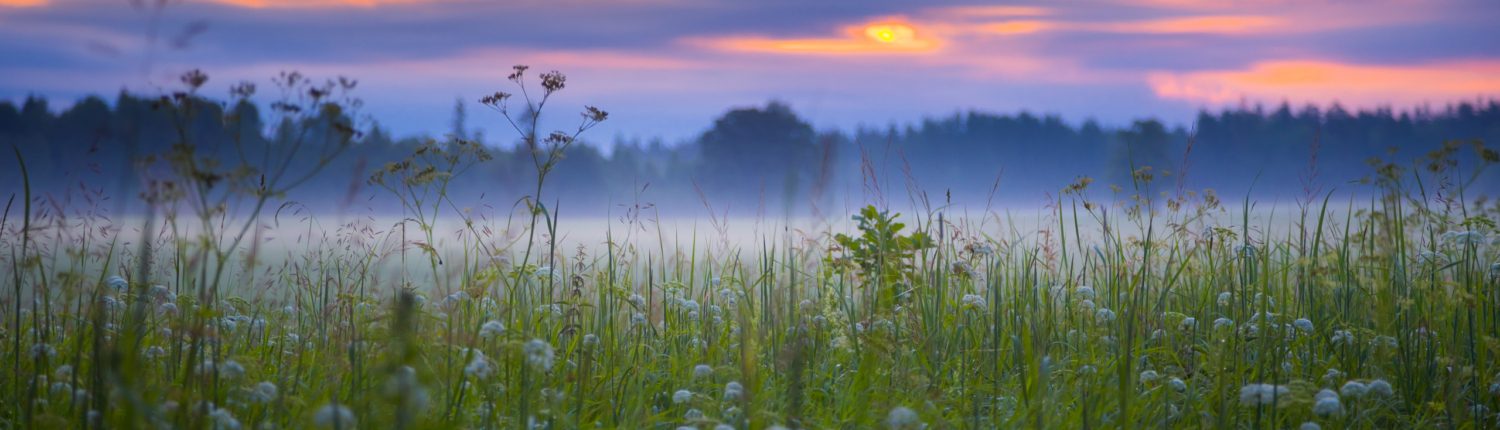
column 733, row 390
column 1381, row 388
column 334, row 415
column 973, row 301
column 117, row 283
column 539, row 354
column 1262, row 394
column 1303, row 324
column 478, row 367
column 1222, row 323
column 1104, row 316
column 1084, row 292
column 1328, row 407
column 491, row 329
column 1177, row 384
column 1309, row 426
column 682, row 396
column 1354, row 389
column 264, row 392
column 702, row 371
column 902, row 417
column 1149, row 376
column 223, row 419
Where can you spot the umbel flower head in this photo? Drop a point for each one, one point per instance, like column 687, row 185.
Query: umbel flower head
column 334, row 416
column 901, row 418
column 539, row 354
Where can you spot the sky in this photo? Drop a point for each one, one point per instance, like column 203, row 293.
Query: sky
column 666, row 68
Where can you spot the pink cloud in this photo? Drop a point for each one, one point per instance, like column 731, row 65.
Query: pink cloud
column 1317, row 81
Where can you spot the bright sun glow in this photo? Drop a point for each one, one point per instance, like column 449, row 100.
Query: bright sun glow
column 890, row 33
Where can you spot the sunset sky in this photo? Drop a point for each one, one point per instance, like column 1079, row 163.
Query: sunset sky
column 668, row 67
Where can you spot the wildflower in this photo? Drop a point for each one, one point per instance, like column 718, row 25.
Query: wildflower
column 1088, row 305
column 693, row 415
column 1432, row 257
column 902, row 418
column 545, row 273
column 973, row 301
column 590, row 341
column 1104, row 316
column 42, row 350
column 1189, row 323
column 1303, row 324
column 491, row 329
column 1354, row 389
column 1149, row 376
column 162, row 293
column 637, row 319
column 117, row 283
column 1262, row 394
column 63, row 372
column 733, row 390
column 1495, row 389
column 155, row 352
column 539, row 354
column 682, row 396
column 1464, row 238
column 231, row 370
column 334, row 415
column 478, row 367
column 722, row 426
column 167, row 308
column 1224, row 298
column 729, row 296
column 1177, row 384
column 1084, row 292
column 1309, row 426
column 1222, row 323
column 1328, row 407
column 1343, row 337
column 1332, row 375
column 702, row 371
column 1325, row 393
column 553, row 309
column 689, row 304
column 962, row 268
column 223, row 419
column 264, row 392
column 1381, row 388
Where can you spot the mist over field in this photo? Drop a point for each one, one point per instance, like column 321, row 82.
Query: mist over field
column 732, row 215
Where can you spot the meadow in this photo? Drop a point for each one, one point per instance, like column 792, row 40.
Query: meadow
column 1114, row 308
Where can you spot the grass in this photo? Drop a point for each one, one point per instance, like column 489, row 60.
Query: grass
column 1122, row 311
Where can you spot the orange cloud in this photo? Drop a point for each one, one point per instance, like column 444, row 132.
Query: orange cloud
column 879, row 37
column 22, row 3
column 264, row 4
column 1324, row 81
column 1011, row 28
column 1224, row 24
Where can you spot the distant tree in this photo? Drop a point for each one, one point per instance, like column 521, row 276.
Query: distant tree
column 753, row 149
column 1145, row 149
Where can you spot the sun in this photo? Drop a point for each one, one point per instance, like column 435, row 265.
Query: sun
column 892, row 34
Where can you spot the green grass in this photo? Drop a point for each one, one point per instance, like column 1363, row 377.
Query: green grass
column 1123, row 310
column 975, row 330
